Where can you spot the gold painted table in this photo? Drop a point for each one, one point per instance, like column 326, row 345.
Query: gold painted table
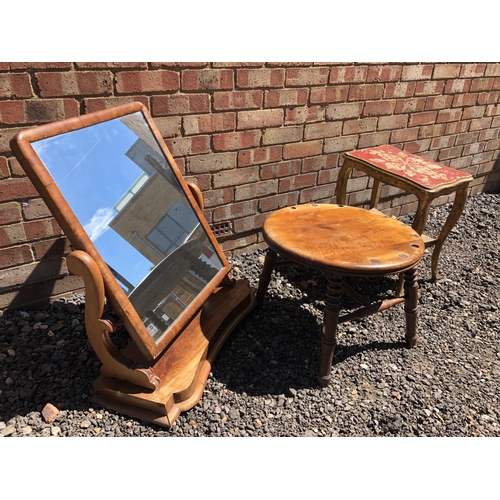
column 424, row 178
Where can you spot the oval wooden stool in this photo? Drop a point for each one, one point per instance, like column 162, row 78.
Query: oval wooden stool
column 342, row 242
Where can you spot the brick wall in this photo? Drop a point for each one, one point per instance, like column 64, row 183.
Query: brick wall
column 254, row 136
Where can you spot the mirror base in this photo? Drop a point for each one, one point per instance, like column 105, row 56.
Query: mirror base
column 184, row 367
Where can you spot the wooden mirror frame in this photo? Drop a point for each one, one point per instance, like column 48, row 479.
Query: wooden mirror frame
column 153, row 381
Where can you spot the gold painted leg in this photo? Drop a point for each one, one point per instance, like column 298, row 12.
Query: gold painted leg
column 266, row 274
column 424, row 206
column 328, row 339
column 456, row 211
column 342, row 179
column 377, row 186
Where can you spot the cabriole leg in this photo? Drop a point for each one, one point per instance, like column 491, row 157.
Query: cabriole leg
column 411, row 305
column 266, row 274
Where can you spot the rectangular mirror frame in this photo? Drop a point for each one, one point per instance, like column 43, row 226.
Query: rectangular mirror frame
column 38, row 174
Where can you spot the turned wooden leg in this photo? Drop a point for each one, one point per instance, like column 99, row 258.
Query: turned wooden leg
column 328, row 339
column 456, row 211
column 265, row 277
column 424, row 206
column 411, row 305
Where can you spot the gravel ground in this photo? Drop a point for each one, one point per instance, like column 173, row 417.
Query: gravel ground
column 264, row 380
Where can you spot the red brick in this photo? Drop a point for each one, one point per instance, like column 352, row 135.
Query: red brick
column 392, row 122
column 279, row 201
column 168, row 126
column 488, row 134
column 399, row 89
column 457, row 127
column 328, row 176
column 384, row 74
column 16, row 189
column 366, row 92
column 341, row 144
column 40, row 229
column 6, row 134
column 302, row 149
column 457, row 86
column 473, row 112
column 482, row 158
column 130, row 82
column 439, row 102
column 417, row 146
column 425, row 118
column 211, row 162
column 337, row 93
column 488, row 98
column 185, row 146
column 13, row 234
column 343, row 111
column 179, row 65
column 447, row 153
column 319, row 163
column 322, row 130
column 472, row 149
column 236, row 177
column 306, row 76
column 473, row 70
column 216, row 197
column 4, row 168
column 75, row 83
column 235, row 210
column 35, row 209
column 282, row 169
column 38, row 111
column 15, row 86
column 255, row 78
column 305, row 114
column 47, row 249
column 106, row 65
column 11, row 112
column 180, row 104
column 466, row 138
column 297, row 182
column 412, row 105
column 259, row 156
column 359, row 126
column 238, row 100
column 15, row 256
column 324, row 192
column 429, row 88
column 232, row 141
column 443, row 142
column 431, row 131
column 404, row 135
column 492, row 69
column 377, row 108
column 260, row 118
column 493, row 110
column 282, row 135
column 98, row 103
column 10, row 213
column 40, row 65
column 249, row 223
column 201, row 124
column 481, row 84
column 285, row 97
column 449, row 115
column 480, row 123
column 446, row 71
column 207, row 79
column 373, row 139
column 256, row 190
column 417, row 72
column 348, row 74
column 203, row 181
column 464, row 100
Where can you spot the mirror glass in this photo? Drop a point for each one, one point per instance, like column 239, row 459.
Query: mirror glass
column 120, row 186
